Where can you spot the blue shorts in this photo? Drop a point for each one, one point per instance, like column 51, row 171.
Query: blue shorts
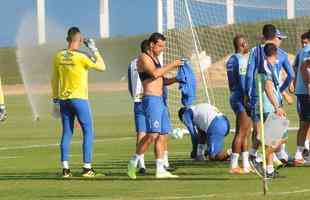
column 236, row 103
column 156, row 115
column 255, row 116
column 216, row 133
column 304, row 103
column 139, row 117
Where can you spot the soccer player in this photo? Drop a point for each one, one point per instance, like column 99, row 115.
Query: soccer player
column 236, row 70
column 156, row 112
column 205, row 122
column 136, row 91
column 3, row 114
column 70, row 90
column 273, row 36
column 301, row 91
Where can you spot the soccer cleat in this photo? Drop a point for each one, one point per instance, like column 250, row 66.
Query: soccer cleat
column 193, row 154
column 298, row 162
column 236, row 170
column 165, row 174
column 66, row 173
column 142, row 171
column 131, row 170
column 256, row 166
column 89, row 173
column 247, row 170
column 305, row 153
column 273, row 175
column 170, row 168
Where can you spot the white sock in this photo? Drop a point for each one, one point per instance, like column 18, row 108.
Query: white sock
column 275, row 158
column 87, row 165
column 160, row 165
column 282, row 155
column 307, row 142
column 201, row 149
column 65, row 164
column 245, row 159
column 234, row 160
column 135, row 159
column 298, row 154
column 166, row 159
column 253, row 152
column 141, row 162
column 270, row 169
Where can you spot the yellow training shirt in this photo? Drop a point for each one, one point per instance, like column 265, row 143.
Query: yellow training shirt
column 70, row 73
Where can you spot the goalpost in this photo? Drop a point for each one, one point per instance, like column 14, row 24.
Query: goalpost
column 202, row 31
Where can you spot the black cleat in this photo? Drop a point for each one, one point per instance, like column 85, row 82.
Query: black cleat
column 305, row 153
column 170, row 168
column 256, row 166
column 89, row 173
column 193, row 154
column 66, row 173
column 142, row 171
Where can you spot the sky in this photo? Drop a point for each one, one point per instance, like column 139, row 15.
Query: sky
column 128, row 17
column 138, row 16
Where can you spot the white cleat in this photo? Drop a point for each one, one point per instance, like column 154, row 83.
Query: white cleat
column 165, row 174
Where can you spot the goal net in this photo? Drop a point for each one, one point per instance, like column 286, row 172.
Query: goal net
column 201, row 30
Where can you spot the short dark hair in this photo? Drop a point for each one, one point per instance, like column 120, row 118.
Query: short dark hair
column 236, row 42
column 270, row 49
column 305, row 35
column 155, row 37
column 269, row 31
column 72, row 32
column 144, row 46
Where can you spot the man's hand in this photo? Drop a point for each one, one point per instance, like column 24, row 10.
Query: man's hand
column 3, row 114
column 280, row 112
column 177, row 63
column 90, row 43
column 56, row 108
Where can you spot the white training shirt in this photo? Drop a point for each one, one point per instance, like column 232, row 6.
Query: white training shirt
column 136, row 84
column 204, row 114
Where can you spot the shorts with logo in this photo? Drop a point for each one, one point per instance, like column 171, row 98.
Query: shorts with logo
column 156, row 115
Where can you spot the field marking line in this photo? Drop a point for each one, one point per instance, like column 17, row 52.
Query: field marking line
column 57, row 144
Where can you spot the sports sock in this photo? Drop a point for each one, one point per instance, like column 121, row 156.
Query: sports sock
column 200, row 149
column 160, row 166
column 253, row 152
column 65, row 164
column 307, row 142
column 166, row 159
column 234, row 160
column 270, row 169
column 245, row 159
column 141, row 161
column 298, row 154
column 87, row 165
column 135, row 159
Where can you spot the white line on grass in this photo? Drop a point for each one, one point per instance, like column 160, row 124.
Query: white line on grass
column 57, row 144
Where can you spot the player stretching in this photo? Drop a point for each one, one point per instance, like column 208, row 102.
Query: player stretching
column 156, row 112
column 3, row 114
column 136, row 91
column 236, row 71
column 302, row 93
column 205, row 122
column 70, row 90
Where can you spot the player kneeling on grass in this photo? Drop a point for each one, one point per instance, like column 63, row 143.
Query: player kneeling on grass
column 157, row 119
column 3, row 114
column 70, row 91
column 205, row 122
column 236, row 71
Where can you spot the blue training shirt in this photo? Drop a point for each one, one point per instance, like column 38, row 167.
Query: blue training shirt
column 300, row 85
column 236, row 67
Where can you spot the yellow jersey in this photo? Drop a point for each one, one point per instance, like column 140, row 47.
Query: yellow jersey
column 1, row 94
column 70, row 73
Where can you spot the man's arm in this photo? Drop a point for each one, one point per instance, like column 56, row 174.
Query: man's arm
column 55, row 80
column 95, row 63
column 170, row 81
column 149, row 67
column 305, row 72
column 290, row 75
column 230, row 68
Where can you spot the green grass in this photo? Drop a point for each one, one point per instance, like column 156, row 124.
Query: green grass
column 29, row 171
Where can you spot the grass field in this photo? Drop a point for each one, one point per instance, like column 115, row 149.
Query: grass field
column 29, row 165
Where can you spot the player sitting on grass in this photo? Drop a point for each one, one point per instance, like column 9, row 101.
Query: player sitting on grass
column 205, row 122
column 157, row 119
column 236, row 70
column 70, row 90
column 3, row 114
